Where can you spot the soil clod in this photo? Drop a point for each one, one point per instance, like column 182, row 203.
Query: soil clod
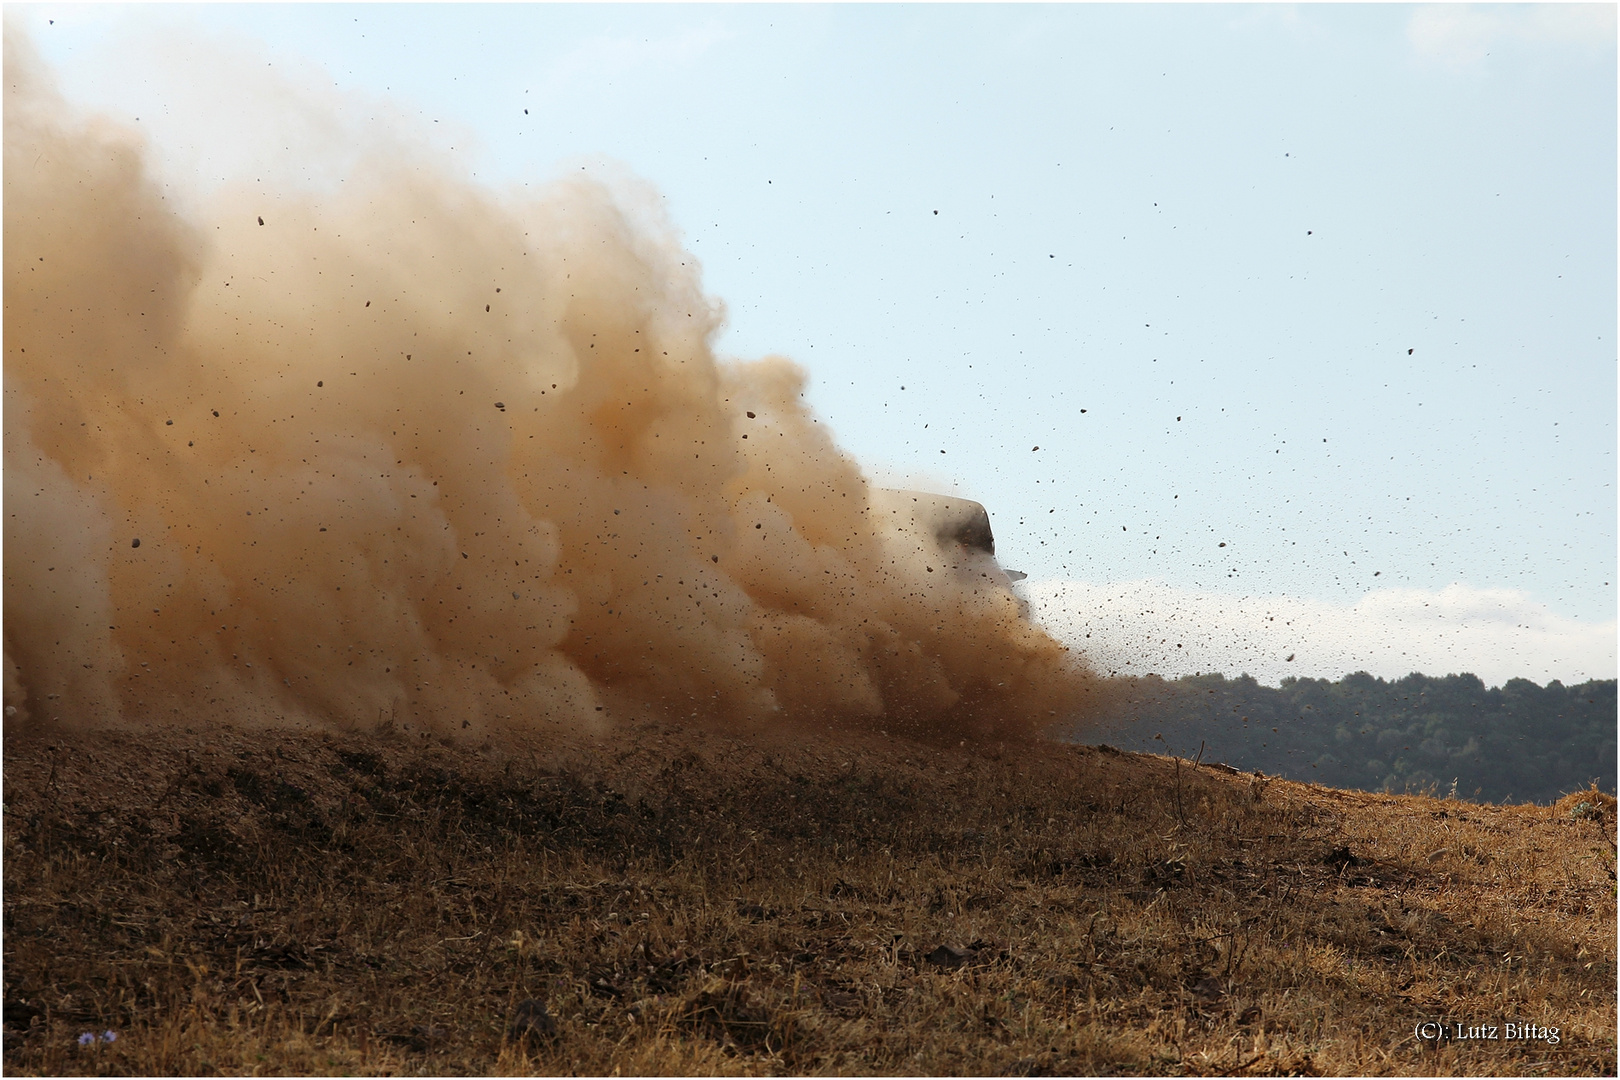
column 531, row 1020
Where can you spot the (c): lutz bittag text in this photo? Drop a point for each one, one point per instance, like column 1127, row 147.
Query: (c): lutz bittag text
column 1452, row 1031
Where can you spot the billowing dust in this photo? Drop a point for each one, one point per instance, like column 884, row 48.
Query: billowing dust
column 421, row 453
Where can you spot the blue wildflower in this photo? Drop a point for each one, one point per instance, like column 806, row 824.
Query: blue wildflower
column 109, row 1036
column 87, row 1038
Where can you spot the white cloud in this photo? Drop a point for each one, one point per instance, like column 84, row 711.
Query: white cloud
column 1461, row 34
column 1137, row 627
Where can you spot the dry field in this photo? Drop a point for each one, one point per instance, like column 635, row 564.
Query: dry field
column 236, row 902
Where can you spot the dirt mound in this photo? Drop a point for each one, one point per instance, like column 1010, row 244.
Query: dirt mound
column 682, row 902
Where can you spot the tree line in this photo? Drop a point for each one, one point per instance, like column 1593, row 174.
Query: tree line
column 1518, row 742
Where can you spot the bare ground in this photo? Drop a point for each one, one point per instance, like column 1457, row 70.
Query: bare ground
column 680, row 902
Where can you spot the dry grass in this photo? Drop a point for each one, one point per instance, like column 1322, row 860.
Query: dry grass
column 233, row 902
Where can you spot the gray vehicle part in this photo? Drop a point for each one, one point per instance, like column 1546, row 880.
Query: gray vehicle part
column 943, row 522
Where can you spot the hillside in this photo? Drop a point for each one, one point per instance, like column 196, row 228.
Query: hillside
column 1518, row 742
column 229, row 901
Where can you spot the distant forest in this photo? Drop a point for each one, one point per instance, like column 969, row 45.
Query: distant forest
column 1516, row 743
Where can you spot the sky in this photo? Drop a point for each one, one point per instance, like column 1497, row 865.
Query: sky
column 1276, row 339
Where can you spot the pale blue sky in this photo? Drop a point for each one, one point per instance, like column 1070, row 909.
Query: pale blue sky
column 1217, row 229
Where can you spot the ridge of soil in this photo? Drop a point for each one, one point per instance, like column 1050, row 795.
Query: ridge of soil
column 679, row 902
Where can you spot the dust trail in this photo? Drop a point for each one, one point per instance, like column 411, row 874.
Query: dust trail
column 418, row 451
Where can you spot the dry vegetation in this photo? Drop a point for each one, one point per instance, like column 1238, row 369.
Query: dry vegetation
column 234, row 902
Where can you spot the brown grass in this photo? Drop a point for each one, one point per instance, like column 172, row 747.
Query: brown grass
column 233, row 902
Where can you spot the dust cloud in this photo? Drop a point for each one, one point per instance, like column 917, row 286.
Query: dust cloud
column 417, row 452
